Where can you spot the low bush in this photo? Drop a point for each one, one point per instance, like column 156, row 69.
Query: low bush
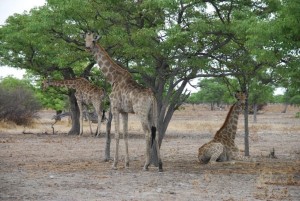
column 18, row 105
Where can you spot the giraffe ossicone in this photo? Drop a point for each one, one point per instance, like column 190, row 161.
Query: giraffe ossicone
column 85, row 93
column 127, row 96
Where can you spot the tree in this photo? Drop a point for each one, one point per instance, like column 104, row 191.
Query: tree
column 261, row 94
column 160, row 42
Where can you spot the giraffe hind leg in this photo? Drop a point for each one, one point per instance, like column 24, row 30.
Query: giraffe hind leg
column 146, row 129
column 125, row 136
column 117, row 138
column 217, row 150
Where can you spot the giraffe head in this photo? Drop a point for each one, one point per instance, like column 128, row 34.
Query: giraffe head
column 241, row 97
column 90, row 39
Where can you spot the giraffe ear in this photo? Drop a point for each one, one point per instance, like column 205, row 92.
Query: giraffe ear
column 82, row 35
column 96, row 38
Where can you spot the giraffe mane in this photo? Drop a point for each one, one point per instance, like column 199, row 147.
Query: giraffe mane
column 119, row 68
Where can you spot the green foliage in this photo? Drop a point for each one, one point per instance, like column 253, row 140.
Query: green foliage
column 12, row 83
column 260, row 93
column 278, row 99
column 212, row 91
column 295, row 100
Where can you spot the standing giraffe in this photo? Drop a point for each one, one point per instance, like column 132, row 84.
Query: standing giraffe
column 85, row 93
column 127, row 96
column 222, row 146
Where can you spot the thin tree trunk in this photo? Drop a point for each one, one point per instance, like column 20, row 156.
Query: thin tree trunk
column 254, row 112
column 286, row 104
column 246, row 139
column 108, row 137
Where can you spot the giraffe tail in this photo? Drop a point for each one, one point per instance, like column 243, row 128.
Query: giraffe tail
column 153, row 135
column 154, row 121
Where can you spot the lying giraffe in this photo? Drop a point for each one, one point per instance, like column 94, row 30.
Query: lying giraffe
column 127, row 96
column 85, row 93
column 222, row 146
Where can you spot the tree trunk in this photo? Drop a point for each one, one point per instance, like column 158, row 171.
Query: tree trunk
column 166, row 105
column 246, row 128
column 286, row 101
column 75, row 129
column 108, row 137
column 286, row 104
column 254, row 112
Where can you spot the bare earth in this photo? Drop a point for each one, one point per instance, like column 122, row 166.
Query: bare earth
column 36, row 164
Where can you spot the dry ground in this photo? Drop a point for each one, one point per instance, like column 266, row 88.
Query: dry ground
column 41, row 166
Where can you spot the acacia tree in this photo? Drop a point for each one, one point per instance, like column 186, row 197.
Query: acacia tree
column 256, row 52
column 164, row 44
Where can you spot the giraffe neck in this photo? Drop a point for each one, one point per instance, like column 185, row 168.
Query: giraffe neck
column 72, row 83
column 228, row 131
column 112, row 71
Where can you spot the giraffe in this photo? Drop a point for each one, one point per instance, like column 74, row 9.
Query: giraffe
column 85, row 93
column 127, row 96
column 222, row 146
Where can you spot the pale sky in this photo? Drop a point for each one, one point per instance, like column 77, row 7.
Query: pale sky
column 8, row 8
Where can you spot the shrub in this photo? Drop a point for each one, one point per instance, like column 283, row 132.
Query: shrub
column 18, row 104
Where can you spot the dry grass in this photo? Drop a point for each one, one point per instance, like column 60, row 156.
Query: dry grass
column 71, row 165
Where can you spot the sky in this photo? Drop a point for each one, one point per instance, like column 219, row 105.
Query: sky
column 8, row 8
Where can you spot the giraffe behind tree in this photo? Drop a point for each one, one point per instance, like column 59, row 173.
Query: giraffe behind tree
column 222, row 146
column 85, row 93
column 127, row 96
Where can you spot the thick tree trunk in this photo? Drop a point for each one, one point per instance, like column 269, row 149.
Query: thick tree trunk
column 75, row 129
column 166, row 105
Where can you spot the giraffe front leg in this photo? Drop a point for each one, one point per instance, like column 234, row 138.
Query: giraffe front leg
column 117, row 138
column 99, row 121
column 79, row 103
column 125, row 136
column 99, row 126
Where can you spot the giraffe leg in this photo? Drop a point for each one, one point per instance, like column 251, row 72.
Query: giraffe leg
column 160, row 168
column 125, row 136
column 79, row 103
column 147, row 162
column 117, row 138
column 217, row 150
column 146, row 130
column 98, row 111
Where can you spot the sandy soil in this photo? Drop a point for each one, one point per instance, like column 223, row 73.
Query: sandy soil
column 40, row 165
